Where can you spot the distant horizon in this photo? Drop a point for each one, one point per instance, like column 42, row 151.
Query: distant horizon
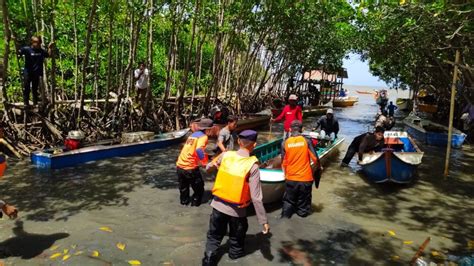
column 359, row 73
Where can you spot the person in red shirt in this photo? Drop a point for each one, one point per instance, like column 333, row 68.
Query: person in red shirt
column 290, row 112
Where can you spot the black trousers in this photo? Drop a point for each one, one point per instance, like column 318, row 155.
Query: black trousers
column 218, row 224
column 297, row 199
column 351, row 151
column 190, row 178
column 31, row 83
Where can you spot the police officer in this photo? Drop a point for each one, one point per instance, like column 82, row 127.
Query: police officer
column 237, row 184
column 297, row 154
column 191, row 157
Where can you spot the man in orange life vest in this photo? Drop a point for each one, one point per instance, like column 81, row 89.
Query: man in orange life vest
column 237, row 184
column 191, row 157
column 297, row 153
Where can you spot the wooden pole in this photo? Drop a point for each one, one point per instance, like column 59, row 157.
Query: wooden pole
column 451, row 114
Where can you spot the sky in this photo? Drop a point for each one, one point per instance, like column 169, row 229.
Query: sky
column 359, row 74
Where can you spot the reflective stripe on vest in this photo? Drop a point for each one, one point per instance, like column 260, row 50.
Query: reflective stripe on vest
column 297, row 161
column 232, row 184
column 188, row 158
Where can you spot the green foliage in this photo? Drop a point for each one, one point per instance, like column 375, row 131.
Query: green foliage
column 300, row 34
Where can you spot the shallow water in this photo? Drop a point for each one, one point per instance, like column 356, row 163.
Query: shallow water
column 137, row 198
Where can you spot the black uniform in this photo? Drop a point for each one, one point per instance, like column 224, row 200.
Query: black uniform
column 362, row 144
column 34, row 59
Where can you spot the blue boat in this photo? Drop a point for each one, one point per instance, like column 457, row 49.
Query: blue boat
column 271, row 175
column 55, row 159
column 396, row 163
column 432, row 133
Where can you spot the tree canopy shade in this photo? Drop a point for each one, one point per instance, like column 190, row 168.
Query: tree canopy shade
column 410, row 45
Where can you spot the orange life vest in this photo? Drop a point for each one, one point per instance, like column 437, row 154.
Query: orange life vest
column 232, row 184
column 297, row 162
column 188, row 158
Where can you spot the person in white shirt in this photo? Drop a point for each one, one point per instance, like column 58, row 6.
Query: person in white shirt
column 142, row 77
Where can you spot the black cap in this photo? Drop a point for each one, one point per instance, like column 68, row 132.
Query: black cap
column 296, row 124
column 248, row 135
column 380, row 129
column 204, row 123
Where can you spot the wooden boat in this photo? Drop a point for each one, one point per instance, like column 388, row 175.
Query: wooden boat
column 365, row 92
column 307, row 111
column 345, row 102
column 404, row 104
column 433, row 133
column 313, row 111
column 396, row 163
column 56, row 158
column 427, row 108
column 271, row 175
column 249, row 122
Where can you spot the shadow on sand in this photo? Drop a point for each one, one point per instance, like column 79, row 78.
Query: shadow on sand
column 27, row 245
column 58, row 194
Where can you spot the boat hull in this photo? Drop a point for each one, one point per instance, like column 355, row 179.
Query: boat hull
column 254, row 122
column 94, row 153
column 435, row 138
column 390, row 166
column 320, row 110
column 404, row 104
column 344, row 103
column 364, row 92
column 427, row 108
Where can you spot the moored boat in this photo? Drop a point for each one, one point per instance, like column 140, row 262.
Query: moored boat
column 345, row 101
column 312, row 111
column 365, row 92
column 307, row 111
column 56, row 158
column 404, row 104
column 433, row 133
column 427, row 108
column 396, row 163
column 271, row 175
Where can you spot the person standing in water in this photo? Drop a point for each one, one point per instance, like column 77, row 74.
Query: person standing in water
column 191, row 157
column 391, row 109
column 297, row 153
column 290, row 112
column 237, row 185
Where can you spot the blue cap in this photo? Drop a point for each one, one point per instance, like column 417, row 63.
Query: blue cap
column 248, row 135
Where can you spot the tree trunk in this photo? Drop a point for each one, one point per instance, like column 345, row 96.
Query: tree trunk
column 76, row 53
column 96, row 62
column 171, row 55
column 179, row 99
column 7, row 37
column 150, row 59
column 109, row 57
column 86, row 55
column 53, row 60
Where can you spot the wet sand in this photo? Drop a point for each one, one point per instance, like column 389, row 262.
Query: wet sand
column 137, row 198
